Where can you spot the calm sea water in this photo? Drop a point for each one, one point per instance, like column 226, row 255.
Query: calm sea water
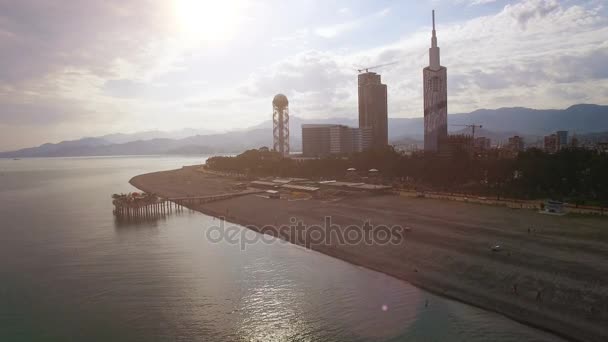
column 70, row 272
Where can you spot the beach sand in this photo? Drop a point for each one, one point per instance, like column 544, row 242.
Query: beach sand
column 554, row 276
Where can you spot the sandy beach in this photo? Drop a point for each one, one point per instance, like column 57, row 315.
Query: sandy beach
column 551, row 271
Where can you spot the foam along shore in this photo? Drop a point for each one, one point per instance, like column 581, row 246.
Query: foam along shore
column 550, row 272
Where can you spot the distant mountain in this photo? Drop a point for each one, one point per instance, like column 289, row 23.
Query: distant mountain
column 64, row 148
column 121, row 138
column 589, row 122
column 592, row 138
column 581, row 118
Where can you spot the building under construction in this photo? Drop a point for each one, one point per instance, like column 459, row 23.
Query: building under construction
column 373, row 108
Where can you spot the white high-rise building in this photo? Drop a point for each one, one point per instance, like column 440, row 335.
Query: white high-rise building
column 435, row 98
column 327, row 139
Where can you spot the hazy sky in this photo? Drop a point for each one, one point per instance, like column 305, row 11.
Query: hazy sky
column 73, row 68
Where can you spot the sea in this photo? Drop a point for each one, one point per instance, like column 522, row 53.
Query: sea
column 71, row 271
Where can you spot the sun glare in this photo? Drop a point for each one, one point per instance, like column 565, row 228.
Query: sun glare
column 207, row 20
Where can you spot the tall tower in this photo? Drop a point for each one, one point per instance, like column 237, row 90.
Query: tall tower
column 373, row 108
column 280, row 120
column 435, row 98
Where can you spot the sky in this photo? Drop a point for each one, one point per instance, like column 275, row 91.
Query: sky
column 76, row 68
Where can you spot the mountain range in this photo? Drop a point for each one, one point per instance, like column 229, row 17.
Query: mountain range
column 586, row 120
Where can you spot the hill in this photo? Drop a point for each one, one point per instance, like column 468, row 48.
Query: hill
column 589, row 122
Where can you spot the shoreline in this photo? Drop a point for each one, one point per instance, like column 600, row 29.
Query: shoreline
column 446, row 256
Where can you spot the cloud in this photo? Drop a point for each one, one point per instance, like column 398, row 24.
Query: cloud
column 336, row 30
column 531, row 53
column 525, row 11
column 476, row 2
column 482, row 2
column 309, row 72
column 74, row 73
column 40, row 38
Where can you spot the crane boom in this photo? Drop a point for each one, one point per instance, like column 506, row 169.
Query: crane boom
column 472, row 127
column 367, row 69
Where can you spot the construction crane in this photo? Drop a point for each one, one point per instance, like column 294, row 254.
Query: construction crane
column 367, row 69
column 472, row 127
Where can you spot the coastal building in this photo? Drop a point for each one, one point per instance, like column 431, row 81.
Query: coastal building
column 551, row 144
column 516, row 144
column 373, row 108
column 435, row 98
column 482, row 144
column 361, row 138
column 562, row 139
column 326, row 139
column 455, row 144
column 574, row 141
column 315, row 140
column 280, row 122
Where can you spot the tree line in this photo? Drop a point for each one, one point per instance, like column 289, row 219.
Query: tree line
column 575, row 175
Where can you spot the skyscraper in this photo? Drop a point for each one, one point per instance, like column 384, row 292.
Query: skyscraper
column 373, row 108
column 435, row 98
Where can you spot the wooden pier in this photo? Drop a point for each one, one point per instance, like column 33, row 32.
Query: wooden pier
column 150, row 206
column 187, row 201
column 138, row 205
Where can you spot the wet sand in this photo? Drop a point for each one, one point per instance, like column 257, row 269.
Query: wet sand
column 554, row 277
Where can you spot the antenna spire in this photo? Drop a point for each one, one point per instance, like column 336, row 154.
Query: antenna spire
column 434, row 50
column 434, row 38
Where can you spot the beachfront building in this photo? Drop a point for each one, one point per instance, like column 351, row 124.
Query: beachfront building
column 562, row 139
column 320, row 140
column 551, row 143
column 516, row 144
column 455, row 144
column 482, row 144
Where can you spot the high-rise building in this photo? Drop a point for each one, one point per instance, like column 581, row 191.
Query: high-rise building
column 280, row 121
column 435, row 98
column 373, row 108
column 362, row 138
column 324, row 140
